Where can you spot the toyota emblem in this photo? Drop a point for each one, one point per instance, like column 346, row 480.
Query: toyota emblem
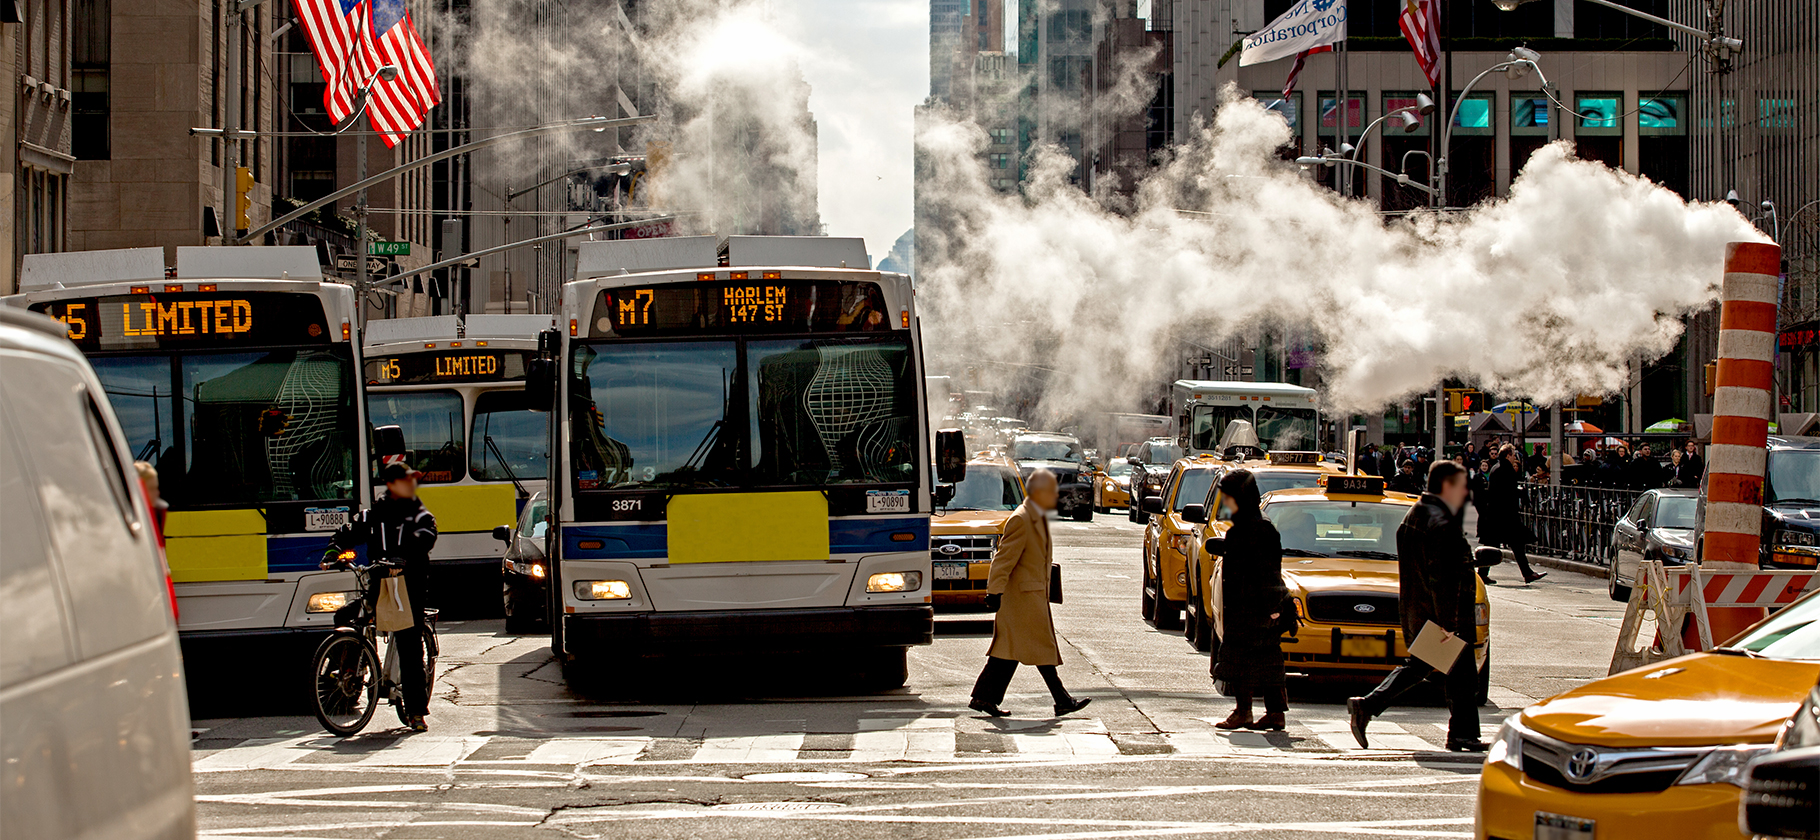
column 1364, row 608
column 950, row 549
column 1580, row 765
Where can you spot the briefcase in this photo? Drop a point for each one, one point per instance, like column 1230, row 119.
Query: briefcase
column 1055, row 583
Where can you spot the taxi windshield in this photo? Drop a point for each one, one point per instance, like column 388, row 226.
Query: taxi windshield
column 1287, row 480
column 1193, row 489
column 1046, row 450
column 987, row 487
column 1337, row 529
column 1793, row 633
column 1118, row 468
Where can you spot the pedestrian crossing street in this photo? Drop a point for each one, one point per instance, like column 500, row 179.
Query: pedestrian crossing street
column 933, row 739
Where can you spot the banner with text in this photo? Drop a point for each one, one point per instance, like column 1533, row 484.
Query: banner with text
column 1307, row 24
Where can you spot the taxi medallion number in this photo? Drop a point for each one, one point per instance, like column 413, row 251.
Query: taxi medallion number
column 324, row 519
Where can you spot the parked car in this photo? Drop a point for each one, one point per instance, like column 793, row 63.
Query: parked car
column 1060, row 454
column 526, row 572
column 1782, row 795
column 1150, row 464
column 94, row 722
column 1659, row 526
column 1791, row 503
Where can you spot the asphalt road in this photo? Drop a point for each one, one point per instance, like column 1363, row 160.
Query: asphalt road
column 783, row 748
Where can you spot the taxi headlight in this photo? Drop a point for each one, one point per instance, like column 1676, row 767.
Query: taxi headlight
column 1178, row 543
column 1300, row 611
column 326, row 602
column 1507, row 745
column 1481, row 614
column 1803, row 729
column 895, row 582
column 603, row 590
column 1724, row 765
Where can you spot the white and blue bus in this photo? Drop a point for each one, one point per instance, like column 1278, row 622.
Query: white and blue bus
column 238, row 378
column 741, row 456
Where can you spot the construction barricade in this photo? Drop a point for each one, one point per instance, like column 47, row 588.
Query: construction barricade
column 1657, row 622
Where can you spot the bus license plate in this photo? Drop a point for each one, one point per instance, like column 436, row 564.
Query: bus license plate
column 1562, row 827
column 887, row 501
column 324, row 519
column 1366, row 647
column 951, row 571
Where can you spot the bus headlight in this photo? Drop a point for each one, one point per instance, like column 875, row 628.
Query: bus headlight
column 603, row 590
column 895, row 582
column 537, row 571
column 326, row 602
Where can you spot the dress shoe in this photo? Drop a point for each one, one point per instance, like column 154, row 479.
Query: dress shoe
column 1355, row 710
column 1466, row 745
column 1236, row 720
column 1488, row 580
column 1535, row 577
column 1271, row 721
column 987, row 708
column 1072, row 706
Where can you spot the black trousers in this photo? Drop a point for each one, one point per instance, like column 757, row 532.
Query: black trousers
column 996, row 677
column 1461, row 684
column 1275, row 699
column 408, row 645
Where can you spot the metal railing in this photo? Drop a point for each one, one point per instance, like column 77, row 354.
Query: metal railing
column 1573, row 522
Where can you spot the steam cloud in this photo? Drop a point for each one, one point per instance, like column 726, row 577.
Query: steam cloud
column 1546, row 293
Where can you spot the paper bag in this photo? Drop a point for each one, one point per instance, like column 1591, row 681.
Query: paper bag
column 1437, row 647
column 394, row 610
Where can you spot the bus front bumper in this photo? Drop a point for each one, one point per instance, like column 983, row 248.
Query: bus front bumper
column 816, row 630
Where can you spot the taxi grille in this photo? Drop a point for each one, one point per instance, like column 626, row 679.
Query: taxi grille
column 1353, row 608
column 1641, row 770
column 964, row 550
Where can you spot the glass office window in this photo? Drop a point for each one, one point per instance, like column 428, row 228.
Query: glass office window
column 1529, row 115
column 1600, row 113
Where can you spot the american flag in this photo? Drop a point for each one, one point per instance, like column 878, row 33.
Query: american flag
column 1421, row 25
column 352, row 39
column 1295, row 70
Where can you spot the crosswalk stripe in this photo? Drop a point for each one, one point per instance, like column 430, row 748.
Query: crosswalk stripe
column 749, row 749
column 255, row 754
column 904, row 739
column 577, row 751
column 1384, row 735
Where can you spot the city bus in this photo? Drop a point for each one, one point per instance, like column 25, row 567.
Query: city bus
column 741, row 456
column 455, row 385
column 238, row 378
column 1284, row 416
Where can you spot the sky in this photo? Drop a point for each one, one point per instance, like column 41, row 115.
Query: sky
column 867, row 64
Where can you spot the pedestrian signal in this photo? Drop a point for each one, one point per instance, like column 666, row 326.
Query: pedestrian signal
column 1464, row 401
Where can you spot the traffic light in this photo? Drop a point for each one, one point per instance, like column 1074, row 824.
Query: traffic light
column 1464, row 401
column 243, row 184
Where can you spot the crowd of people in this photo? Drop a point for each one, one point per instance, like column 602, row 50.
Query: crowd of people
column 1404, row 467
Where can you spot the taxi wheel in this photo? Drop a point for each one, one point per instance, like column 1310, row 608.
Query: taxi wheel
column 1168, row 613
column 1146, row 602
column 1199, row 629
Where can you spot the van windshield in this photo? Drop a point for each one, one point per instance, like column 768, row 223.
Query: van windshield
column 1792, row 475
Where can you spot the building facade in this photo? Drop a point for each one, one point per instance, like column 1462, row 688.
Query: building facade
column 36, row 126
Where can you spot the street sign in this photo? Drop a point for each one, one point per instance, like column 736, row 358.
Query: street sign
column 382, row 248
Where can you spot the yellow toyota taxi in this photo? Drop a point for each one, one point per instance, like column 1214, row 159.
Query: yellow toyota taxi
column 1655, row 752
column 1275, row 471
column 1340, row 565
column 1166, row 538
column 1112, row 486
column 966, row 528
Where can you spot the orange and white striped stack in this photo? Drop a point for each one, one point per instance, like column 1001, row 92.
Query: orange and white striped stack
column 1743, row 400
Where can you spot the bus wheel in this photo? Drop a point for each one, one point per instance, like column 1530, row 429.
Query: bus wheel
column 884, row 670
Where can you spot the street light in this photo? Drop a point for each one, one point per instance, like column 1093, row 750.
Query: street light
column 1733, row 44
column 1520, row 61
column 387, row 73
column 1409, row 116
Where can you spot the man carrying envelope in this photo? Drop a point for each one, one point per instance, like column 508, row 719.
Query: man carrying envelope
column 1436, row 571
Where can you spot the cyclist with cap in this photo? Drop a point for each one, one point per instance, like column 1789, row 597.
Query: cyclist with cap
column 399, row 529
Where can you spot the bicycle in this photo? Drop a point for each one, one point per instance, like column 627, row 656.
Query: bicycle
column 346, row 672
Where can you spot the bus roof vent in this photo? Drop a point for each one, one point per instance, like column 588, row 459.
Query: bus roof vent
column 252, row 262
column 822, row 251
column 388, row 330
column 596, row 259
column 88, row 268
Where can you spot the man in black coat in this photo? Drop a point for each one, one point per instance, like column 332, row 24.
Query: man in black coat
column 1435, row 574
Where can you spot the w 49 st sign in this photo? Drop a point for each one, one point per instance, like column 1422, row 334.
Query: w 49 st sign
column 1464, row 401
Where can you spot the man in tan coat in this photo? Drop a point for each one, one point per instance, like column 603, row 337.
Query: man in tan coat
column 1018, row 588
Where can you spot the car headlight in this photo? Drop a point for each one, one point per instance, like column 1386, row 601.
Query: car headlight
column 1677, row 551
column 1178, row 543
column 1803, row 729
column 1300, row 611
column 327, row 602
column 1507, row 745
column 895, row 582
column 603, row 590
column 1724, row 765
column 1481, row 614
column 537, row 571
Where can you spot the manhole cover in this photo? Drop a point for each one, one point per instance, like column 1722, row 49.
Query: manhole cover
column 805, row 777
column 776, row 806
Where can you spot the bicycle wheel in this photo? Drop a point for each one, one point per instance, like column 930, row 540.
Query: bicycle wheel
column 345, row 673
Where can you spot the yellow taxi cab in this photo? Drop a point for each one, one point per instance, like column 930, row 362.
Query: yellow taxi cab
column 1166, row 538
column 966, row 528
column 1340, row 566
column 1656, row 751
column 1112, row 486
column 1276, row 471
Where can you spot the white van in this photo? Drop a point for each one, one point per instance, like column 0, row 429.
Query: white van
column 94, row 723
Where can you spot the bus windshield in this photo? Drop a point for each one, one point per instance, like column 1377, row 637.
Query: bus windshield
column 727, row 413
column 506, row 427
column 431, row 421
column 1208, row 424
column 239, row 428
column 1286, row 428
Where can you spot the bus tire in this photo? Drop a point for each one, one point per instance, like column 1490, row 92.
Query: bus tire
column 886, row 669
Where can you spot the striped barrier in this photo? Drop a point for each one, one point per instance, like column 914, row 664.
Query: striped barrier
column 1666, row 599
column 1770, row 590
column 1742, row 407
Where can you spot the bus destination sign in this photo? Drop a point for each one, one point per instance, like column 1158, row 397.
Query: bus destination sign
column 451, row 366
column 737, row 307
column 191, row 319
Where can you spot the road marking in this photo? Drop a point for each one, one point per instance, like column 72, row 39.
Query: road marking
column 580, row 751
column 749, row 749
column 904, row 739
column 255, row 754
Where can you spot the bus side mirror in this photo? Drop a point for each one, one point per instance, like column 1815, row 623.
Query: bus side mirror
column 388, row 440
column 1215, row 546
column 944, row 493
column 1196, row 514
column 540, row 384
column 950, row 456
column 503, row 533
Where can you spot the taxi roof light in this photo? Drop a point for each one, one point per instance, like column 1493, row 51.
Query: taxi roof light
column 1294, row 456
column 1363, row 485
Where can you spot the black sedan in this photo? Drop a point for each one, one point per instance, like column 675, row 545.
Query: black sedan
column 1660, row 526
column 527, row 571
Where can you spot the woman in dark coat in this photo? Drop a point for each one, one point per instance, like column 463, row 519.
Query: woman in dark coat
column 1250, row 660
column 1499, row 522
